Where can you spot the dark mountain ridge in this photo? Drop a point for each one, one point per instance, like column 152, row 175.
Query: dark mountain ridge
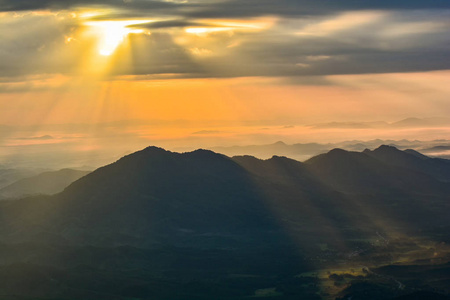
column 436, row 167
column 383, row 169
column 179, row 216
column 154, row 192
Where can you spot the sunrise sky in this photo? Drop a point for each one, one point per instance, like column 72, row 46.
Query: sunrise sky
column 97, row 76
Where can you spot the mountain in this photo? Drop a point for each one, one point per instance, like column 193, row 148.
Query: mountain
column 151, row 197
column 412, row 160
column 297, row 151
column 200, row 225
column 182, row 198
column 424, row 122
column 50, row 182
column 373, row 172
column 11, row 175
column 302, row 152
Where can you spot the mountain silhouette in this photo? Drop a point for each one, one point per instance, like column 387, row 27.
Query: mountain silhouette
column 412, row 160
column 156, row 196
column 375, row 171
column 161, row 224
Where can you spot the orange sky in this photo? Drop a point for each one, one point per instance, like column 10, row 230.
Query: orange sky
column 373, row 97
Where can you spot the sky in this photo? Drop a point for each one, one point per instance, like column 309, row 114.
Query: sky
column 103, row 78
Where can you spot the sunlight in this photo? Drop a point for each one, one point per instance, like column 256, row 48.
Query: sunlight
column 219, row 25
column 112, row 33
column 202, row 30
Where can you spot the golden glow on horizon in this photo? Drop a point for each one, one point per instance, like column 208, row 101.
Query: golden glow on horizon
column 112, row 33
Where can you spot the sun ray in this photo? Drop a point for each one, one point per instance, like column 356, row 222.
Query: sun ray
column 112, row 33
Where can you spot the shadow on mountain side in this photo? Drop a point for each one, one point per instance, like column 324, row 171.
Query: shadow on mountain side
column 190, row 225
column 385, row 190
column 199, row 225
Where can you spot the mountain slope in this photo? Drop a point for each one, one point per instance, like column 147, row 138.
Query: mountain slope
column 155, row 197
column 200, row 225
column 152, row 196
column 9, row 176
column 412, row 160
column 51, row 182
column 368, row 172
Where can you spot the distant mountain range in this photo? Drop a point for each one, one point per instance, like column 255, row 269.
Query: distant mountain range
column 201, row 225
column 11, row 175
column 46, row 183
column 436, row 148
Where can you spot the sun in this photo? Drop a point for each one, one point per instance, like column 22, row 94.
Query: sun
column 112, row 33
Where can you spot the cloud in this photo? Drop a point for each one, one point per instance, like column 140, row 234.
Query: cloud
column 200, row 39
column 169, row 24
column 234, row 8
column 23, row 5
column 362, row 44
column 32, row 43
column 42, row 137
column 295, row 8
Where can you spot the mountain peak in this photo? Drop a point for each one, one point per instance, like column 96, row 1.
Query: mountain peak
column 147, row 152
column 387, row 152
column 337, row 151
column 387, row 148
column 151, row 154
column 154, row 149
column 204, row 154
column 336, row 155
column 283, row 159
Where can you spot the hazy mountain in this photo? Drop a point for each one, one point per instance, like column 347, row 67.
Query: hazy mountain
column 305, row 151
column 422, row 122
column 438, row 148
column 47, row 183
column 442, row 151
column 11, row 175
column 298, row 151
column 200, row 225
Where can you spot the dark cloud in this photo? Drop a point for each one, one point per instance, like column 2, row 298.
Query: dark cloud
column 158, row 54
column 293, row 8
column 229, row 9
column 296, row 56
column 170, row 24
column 400, row 36
column 21, row 5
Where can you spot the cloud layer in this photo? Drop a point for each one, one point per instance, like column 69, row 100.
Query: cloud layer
column 197, row 39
